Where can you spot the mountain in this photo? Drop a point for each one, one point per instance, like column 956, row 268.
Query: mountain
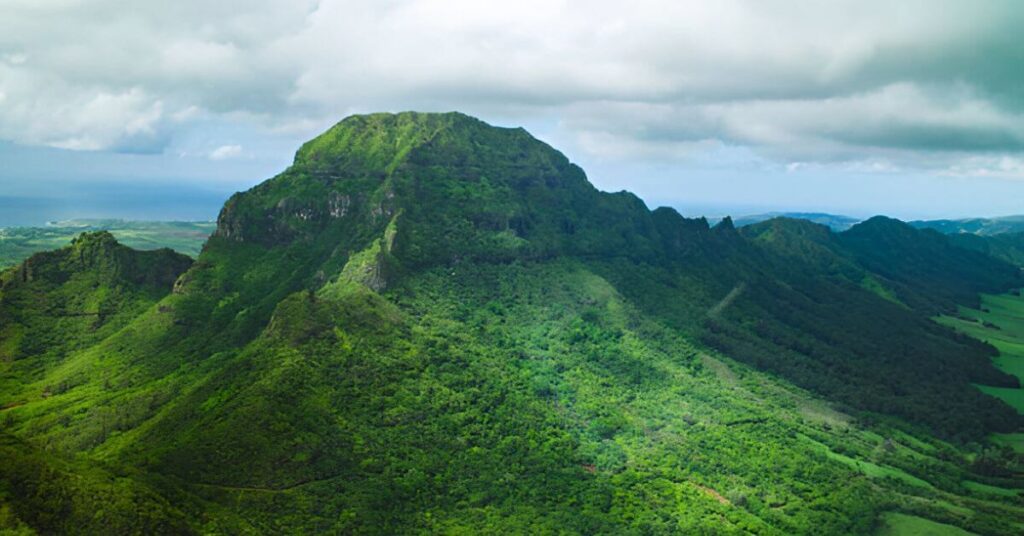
column 944, row 273
column 1006, row 246
column 54, row 304
column 19, row 243
column 849, row 313
column 1002, row 238
column 833, row 221
column 977, row 226
column 428, row 324
column 58, row 301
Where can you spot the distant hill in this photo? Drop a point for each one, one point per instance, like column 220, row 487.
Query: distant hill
column 978, row 226
column 1002, row 238
column 83, row 292
column 18, row 243
column 1006, row 246
column 942, row 274
column 833, row 221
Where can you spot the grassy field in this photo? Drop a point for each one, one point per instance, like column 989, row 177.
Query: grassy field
column 869, row 469
column 991, row 490
column 1014, row 441
column 897, row 524
column 1013, row 397
column 1000, row 321
column 18, row 243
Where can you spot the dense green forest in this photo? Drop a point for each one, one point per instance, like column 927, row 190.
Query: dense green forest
column 431, row 325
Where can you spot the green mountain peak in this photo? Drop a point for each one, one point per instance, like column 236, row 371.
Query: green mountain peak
column 63, row 299
column 379, row 141
column 99, row 253
column 450, row 186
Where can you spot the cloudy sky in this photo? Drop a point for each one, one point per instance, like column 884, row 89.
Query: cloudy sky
column 914, row 109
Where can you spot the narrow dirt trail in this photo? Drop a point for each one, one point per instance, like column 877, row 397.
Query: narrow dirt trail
column 13, row 405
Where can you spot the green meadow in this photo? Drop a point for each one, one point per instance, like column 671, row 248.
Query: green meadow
column 897, row 524
column 1000, row 322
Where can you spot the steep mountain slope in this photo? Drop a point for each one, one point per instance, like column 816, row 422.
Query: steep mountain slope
column 793, row 301
column 428, row 324
column 52, row 305
column 853, row 317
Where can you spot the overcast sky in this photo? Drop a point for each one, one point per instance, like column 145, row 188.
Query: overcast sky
column 914, row 109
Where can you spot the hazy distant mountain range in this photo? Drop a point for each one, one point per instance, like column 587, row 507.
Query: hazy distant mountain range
column 978, row 226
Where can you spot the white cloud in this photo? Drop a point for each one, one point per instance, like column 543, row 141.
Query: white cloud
column 44, row 110
column 896, row 126
column 225, row 152
column 1006, row 167
column 15, row 59
column 922, row 84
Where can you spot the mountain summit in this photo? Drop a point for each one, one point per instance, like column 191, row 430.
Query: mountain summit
column 450, row 186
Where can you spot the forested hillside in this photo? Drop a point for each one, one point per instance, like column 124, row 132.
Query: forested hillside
column 431, row 325
column 1006, row 246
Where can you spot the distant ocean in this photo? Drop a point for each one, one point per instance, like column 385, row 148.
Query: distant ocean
column 163, row 204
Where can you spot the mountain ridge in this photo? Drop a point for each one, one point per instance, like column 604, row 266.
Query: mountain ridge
column 836, row 222
column 976, row 226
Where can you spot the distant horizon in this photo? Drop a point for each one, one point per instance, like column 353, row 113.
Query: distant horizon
column 39, row 184
column 160, row 205
column 170, row 204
